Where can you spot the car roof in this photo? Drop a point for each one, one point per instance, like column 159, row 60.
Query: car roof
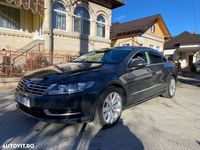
column 130, row 48
column 135, row 48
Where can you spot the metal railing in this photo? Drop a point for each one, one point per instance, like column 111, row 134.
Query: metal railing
column 17, row 63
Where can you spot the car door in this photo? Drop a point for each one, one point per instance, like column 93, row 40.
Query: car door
column 138, row 79
column 157, row 67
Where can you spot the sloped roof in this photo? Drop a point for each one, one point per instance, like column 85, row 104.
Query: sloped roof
column 138, row 26
column 117, row 3
column 114, row 3
column 185, row 38
column 192, row 39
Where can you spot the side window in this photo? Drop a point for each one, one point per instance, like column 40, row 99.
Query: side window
column 155, row 58
column 142, row 55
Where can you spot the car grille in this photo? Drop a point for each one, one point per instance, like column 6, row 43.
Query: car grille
column 32, row 87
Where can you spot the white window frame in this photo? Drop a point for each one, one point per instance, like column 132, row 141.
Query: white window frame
column 153, row 29
column 98, row 22
column 82, row 18
column 62, row 12
column 8, row 29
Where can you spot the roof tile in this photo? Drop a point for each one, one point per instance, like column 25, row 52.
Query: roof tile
column 184, row 38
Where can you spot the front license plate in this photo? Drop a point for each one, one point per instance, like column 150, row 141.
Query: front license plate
column 23, row 100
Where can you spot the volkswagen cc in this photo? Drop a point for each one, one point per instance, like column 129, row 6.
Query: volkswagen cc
column 96, row 86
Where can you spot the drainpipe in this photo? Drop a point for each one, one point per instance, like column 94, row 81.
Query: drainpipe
column 51, row 41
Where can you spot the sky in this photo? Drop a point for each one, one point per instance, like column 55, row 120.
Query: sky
column 177, row 14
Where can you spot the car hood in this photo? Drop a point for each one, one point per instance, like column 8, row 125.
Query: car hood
column 56, row 72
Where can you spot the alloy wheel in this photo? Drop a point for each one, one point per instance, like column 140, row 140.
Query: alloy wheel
column 172, row 87
column 112, row 107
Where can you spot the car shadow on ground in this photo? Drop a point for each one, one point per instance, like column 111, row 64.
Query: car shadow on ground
column 189, row 78
column 13, row 124
column 117, row 137
column 17, row 128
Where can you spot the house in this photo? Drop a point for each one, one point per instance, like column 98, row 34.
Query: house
column 148, row 32
column 184, row 48
column 61, row 25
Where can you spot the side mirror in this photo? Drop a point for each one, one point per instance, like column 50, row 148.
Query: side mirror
column 137, row 63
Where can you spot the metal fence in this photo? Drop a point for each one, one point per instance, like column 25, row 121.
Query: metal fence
column 17, row 63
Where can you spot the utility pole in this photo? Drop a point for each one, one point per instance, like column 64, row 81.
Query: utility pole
column 51, row 40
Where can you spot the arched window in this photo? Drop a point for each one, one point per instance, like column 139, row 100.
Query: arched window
column 81, row 20
column 101, row 26
column 59, row 16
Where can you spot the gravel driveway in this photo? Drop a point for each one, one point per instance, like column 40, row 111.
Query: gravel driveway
column 158, row 124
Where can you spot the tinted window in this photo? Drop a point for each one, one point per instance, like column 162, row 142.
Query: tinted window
column 141, row 55
column 164, row 59
column 155, row 58
column 104, row 56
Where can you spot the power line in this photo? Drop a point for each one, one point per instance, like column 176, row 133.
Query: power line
column 195, row 16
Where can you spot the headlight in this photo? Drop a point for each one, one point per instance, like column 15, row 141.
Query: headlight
column 57, row 89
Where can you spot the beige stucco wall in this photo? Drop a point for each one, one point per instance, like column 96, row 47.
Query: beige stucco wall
column 123, row 40
column 149, row 38
column 157, row 33
column 154, row 38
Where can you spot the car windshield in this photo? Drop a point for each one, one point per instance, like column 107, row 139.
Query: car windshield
column 104, row 56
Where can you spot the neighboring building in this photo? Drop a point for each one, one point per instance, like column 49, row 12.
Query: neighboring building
column 78, row 24
column 184, row 48
column 149, row 32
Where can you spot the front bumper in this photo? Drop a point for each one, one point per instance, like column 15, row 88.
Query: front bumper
column 74, row 108
column 32, row 114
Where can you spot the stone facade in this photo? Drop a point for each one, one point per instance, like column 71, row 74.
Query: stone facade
column 33, row 27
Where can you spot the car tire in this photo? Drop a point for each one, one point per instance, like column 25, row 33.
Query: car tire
column 109, row 107
column 170, row 88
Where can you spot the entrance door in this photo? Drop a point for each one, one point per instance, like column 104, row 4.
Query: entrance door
column 190, row 60
column 139, row 80
column 38, row 27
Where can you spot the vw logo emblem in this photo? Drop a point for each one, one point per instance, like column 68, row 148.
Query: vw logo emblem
column 26, row 85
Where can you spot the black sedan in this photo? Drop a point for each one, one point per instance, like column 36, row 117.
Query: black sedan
column 96, row 86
